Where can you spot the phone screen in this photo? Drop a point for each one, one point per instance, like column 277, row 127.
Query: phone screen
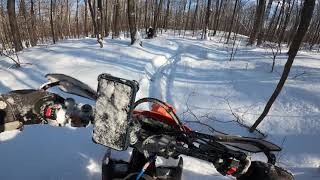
column 114, row 104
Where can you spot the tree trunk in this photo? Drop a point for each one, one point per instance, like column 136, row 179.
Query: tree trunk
column 106, row 20
column 285, row 24
column 99, row 23
column 306, row 16
column 13, row 25
column 195, row 18
column 232, row 19
column 207, row 20
column 268, row 9
column 315, row 36
column 146, row 24
column 100, row 18
column 60, row 23
column 217, row 17
column 181, row 17
column 267, row 35
column 26, row 28
column 68, row 18
column 266, row 17
column 41, row 22
column 156, row 16
column 295, row 26
column 86, row 17
column 115, row 33
column 132, row 21
column 94, row 22
column 77, row 19
column 166, row 19
column 51, row 22
column 277, row 21
column 7, row 36
column 188, row 17
column 33, row 25
column 257, row 22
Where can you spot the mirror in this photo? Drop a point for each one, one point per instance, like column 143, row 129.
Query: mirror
column 114, row 106
column 69, row 85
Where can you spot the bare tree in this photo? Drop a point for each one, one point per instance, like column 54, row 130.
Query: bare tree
column 62, row 19
column 166, row 18
column 207, row 20
column 33, row 25
column 232, row 20
column 188, row 17
column 93, row 17
column 77, row 19
column 106, row 20
column 285, row 23
column 195, row 18
column 99, row 24
column 156, row 15
column 135, row 39
column 257, row 22
column 273, row 32
column 262, row 30
column 306, row 16
column 51, row 22
column 86, row 17
column 271, row 22
column 295, row 26
column 13, row 25
column 115, row 33
column 217, row 16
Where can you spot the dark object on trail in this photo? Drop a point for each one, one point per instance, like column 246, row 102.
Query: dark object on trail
column 150, row 33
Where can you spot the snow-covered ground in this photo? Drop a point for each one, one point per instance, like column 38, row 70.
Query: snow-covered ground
column 195, row 76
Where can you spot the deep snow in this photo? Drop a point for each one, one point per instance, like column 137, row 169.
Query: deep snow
column 189, row 73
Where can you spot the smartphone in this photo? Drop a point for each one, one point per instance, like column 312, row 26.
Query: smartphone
column 114, row 106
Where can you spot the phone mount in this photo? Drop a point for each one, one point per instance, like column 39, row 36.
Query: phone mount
column 114, row 106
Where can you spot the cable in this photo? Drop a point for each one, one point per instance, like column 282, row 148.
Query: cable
column 145, row 167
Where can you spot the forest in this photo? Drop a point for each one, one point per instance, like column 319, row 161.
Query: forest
column 26, row 23
column 226, row 86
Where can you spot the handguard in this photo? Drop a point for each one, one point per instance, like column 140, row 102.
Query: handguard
column 23, row 107
column 28, row 107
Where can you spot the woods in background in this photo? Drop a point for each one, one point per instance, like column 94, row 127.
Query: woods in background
column 268, row 23
column 26, row 23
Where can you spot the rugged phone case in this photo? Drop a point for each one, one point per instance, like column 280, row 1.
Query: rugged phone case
column 114, row 106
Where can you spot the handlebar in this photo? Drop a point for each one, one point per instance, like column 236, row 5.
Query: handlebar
column 172, row 140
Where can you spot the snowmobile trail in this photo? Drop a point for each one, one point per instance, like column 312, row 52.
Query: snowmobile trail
column 163, row 77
